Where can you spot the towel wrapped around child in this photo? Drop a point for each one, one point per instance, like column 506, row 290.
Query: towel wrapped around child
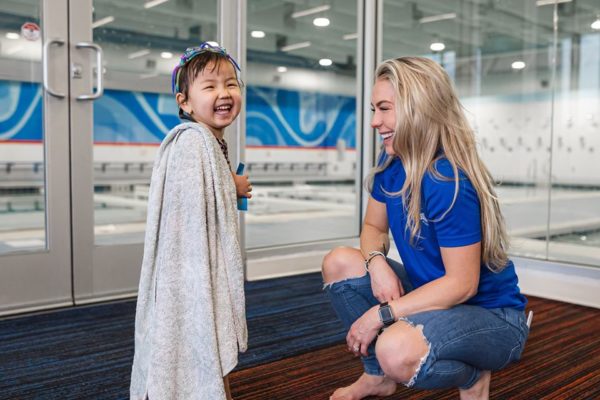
column 190, row 318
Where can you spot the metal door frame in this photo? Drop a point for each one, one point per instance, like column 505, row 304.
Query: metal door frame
column 41, row 279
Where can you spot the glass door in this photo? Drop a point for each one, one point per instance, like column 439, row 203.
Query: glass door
column 301, row 132
column 501, row 68
column 121, row 109
column 35, row 226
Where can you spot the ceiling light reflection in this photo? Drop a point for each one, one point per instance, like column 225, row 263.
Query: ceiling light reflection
column 437, row 46
column 321, row 21
column 518, row 65
column 326, row 62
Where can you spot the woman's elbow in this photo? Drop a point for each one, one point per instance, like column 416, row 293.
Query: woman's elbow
column 464, row 290
column 461, row 288
column 470, row 291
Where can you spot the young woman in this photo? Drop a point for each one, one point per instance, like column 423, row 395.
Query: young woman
column 452, row 312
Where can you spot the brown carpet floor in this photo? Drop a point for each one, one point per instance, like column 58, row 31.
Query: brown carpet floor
column 561, row 361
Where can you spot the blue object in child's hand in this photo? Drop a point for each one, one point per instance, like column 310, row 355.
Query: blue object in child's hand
column 242, row 202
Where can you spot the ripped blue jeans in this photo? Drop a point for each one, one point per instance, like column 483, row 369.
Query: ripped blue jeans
column 463, row 340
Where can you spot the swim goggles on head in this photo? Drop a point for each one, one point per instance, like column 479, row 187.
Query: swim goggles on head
column 192, row 52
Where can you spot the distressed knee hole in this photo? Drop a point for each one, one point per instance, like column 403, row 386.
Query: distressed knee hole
column 329, row 284
column 422, row 360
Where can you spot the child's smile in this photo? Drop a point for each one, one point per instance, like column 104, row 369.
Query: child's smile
column 224, row 109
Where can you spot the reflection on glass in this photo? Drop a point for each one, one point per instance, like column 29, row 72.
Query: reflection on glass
column 142, row 42
column 499, row 55
column 22, row 198
column 502, row 76
column 301, row 122
column 574, row 228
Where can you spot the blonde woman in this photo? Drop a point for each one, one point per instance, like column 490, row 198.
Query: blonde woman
column 453, row 312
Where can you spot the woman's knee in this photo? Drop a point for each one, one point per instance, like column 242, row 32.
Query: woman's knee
column 401, row 350
column 341, row 263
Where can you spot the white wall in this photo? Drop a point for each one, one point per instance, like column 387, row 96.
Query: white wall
column 514, row 136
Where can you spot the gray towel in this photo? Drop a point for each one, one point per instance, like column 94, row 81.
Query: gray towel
column 190, row 319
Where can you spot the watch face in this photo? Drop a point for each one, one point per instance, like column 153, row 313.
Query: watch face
column 386, row 316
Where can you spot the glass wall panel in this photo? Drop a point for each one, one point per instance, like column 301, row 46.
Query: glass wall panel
column 142, row 42
column 499, row 55
column 22, row 187
column 301, row 121
column 575, row 208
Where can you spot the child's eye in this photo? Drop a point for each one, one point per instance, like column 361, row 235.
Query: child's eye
column 232, row 85
column 209, row 87
column 372, row 109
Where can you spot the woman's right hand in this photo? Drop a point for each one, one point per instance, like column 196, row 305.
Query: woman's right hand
column 385, row 283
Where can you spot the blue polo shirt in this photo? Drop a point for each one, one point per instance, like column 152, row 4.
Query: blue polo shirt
column 442, row 226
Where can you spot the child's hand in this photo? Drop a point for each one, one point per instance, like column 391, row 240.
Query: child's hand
column 243, row 187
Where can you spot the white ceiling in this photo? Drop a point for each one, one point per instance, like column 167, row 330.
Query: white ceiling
column 489, row 29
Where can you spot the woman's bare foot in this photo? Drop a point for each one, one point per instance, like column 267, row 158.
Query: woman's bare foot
column 366, row 385
column 480, row 390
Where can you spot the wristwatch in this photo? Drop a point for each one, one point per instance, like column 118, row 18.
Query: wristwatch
column 386, row 316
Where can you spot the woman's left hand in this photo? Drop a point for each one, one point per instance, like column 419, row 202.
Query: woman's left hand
column 363, row 331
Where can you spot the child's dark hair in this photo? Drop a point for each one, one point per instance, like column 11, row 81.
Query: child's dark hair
column 193, row 62
column 197, row 65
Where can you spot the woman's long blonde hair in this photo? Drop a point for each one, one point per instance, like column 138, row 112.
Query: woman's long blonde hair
column 430, row 121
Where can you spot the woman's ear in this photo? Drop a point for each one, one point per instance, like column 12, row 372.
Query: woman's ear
column 183, row 103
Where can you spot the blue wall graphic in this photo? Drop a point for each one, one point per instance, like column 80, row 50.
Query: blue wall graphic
column 275, row 117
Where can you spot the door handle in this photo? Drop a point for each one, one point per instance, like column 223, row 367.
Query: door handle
column 45, row 49
column 99, row 73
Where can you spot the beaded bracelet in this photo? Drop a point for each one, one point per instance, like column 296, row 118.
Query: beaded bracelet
column 371, row 256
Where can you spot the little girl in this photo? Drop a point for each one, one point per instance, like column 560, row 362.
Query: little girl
column 190, row 317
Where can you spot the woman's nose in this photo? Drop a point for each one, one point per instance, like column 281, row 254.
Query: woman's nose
column 375, row 120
